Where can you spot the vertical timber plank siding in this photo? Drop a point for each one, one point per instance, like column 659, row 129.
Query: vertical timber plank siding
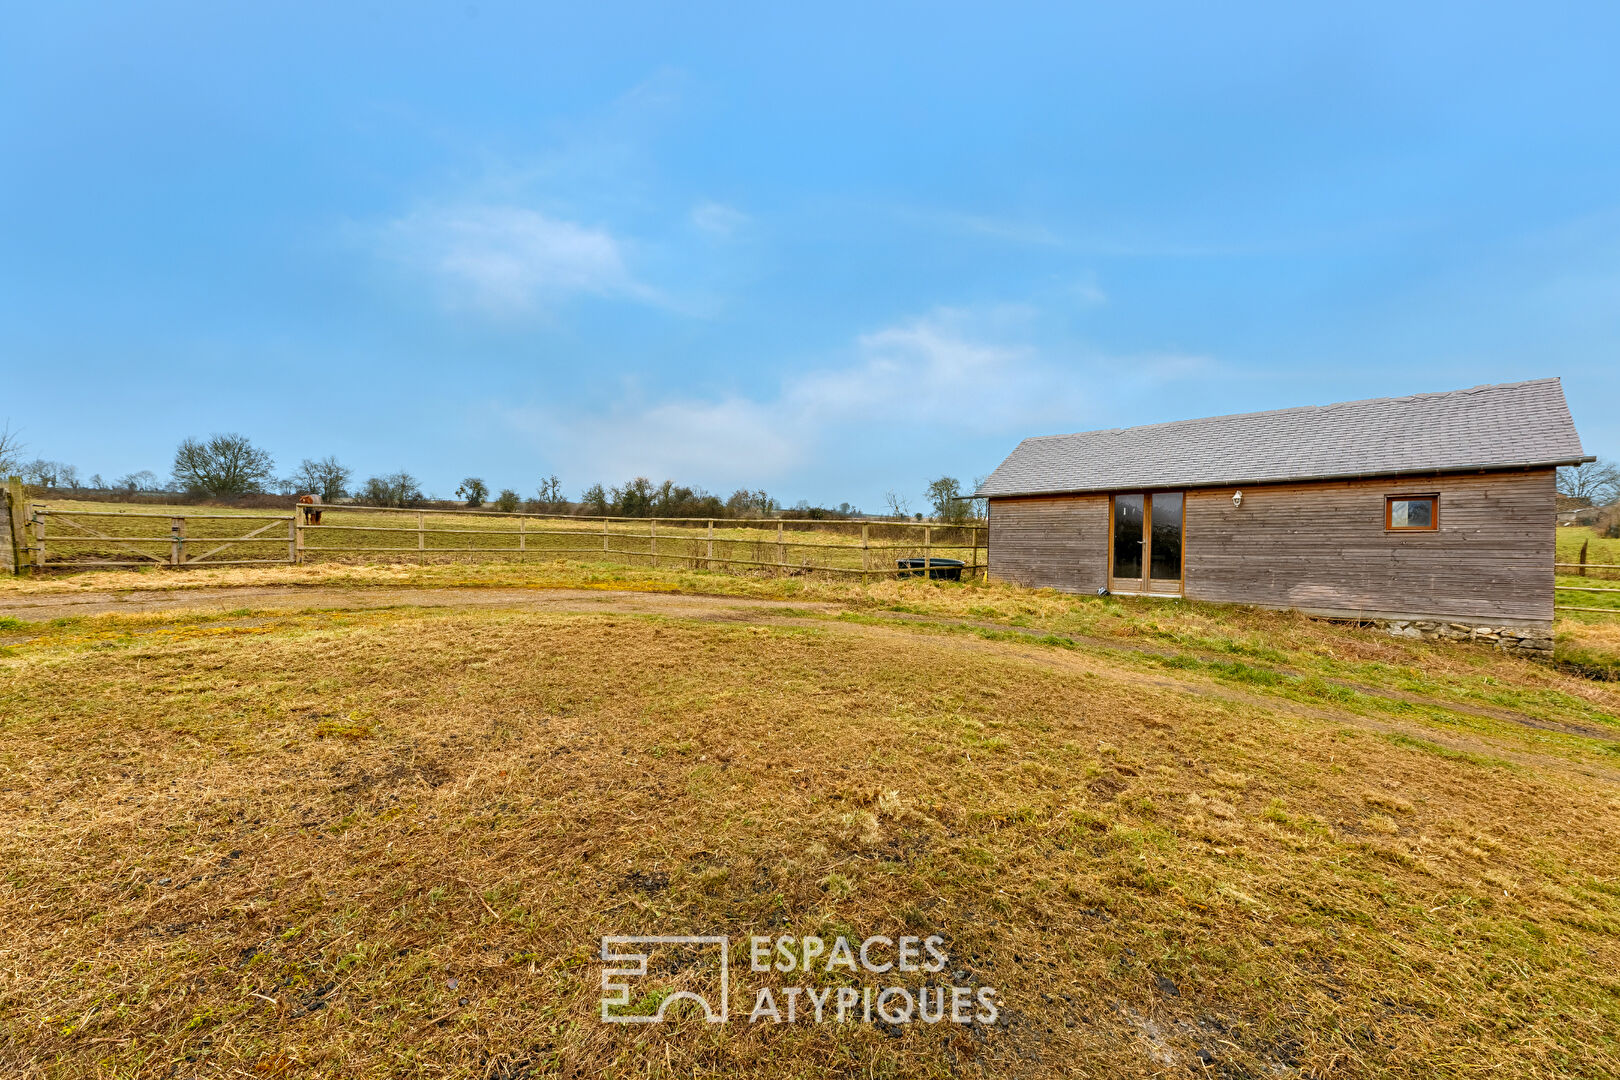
column 1322, row 547
column 1058, row 542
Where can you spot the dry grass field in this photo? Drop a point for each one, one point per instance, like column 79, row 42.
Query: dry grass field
column 1600, row 549
column 338, row 821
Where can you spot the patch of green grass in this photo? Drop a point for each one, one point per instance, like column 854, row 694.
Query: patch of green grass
column 1484, row 761
column 1219, row 643
column 1588, row 592
column 1599, row 549
column 1409, row 692
column 1230, row 670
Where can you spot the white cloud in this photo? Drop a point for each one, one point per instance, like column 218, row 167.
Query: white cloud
column 730, row 440
column 1004, row 230
column 509, row 259
column 1088, row 292
column 718, row 219
column 952, row 371
column 917, row 372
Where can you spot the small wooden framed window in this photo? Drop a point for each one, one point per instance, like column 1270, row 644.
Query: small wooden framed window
column 1412, row 513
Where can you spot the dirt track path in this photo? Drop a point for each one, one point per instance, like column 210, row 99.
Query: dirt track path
column 332, row 598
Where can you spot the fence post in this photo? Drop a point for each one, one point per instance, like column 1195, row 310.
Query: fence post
column 987, row 543
column 421, row 538
column 781, row 551
column 38, row 517
column 604, row 536
column 177, row 541
column 523, row 539
column 15, row 536
column 8, row 549
column 652, row 539
column 1582, row 560
column 866, row 552
column 928, row 543
column 710, row 564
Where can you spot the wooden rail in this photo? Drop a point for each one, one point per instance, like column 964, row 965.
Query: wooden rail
column 1581, row 566
column 51, row 510
column 693, row 539
column 350, row 508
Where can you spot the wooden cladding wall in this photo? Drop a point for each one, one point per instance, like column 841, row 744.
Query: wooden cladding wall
column 1319, row 547
column 1058, row 542
column 1323, row 547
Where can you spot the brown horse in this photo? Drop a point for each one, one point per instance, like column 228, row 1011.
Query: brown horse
column 311, row 517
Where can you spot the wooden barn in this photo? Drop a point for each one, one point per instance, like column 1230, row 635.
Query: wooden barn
column 1433, row 514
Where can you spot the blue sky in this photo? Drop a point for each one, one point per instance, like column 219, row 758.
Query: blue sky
column 829, row 254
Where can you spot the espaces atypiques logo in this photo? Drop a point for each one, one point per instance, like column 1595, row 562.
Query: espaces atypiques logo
column 645, row 977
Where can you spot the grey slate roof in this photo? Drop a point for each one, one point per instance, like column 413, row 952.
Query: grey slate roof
column 1488, row 427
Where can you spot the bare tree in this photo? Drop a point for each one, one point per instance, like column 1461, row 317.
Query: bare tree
column 549, row 497
column 1597, row 483
column 751, row 504
column 11, row 450
column 395, row 489
column 41, row 473
column 48, row 474
column 225, row 465
column 899, row 506
column 145, row 480
column 979, row 508
column 326, row 478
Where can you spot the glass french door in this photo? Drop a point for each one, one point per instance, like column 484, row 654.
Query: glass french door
column 1145, row 546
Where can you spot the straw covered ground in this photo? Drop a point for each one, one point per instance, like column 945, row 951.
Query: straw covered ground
column 302, row 836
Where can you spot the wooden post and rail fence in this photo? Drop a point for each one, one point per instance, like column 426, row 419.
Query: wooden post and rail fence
column 1581, row 566
column 53, row 538
column 79, row 540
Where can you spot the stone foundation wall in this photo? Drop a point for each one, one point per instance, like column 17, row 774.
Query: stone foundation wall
column 1531, row 641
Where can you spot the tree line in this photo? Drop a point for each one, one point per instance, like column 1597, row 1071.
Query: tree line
column 229, row 466
column 1597, row 483
column 1593, row 487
